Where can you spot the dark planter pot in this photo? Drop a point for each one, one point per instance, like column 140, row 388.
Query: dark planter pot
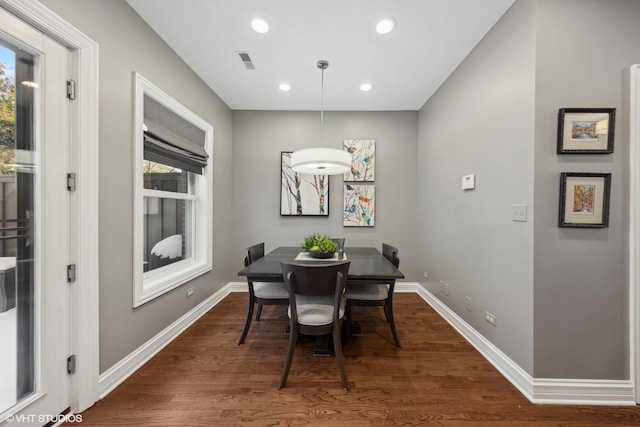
column 321, row 255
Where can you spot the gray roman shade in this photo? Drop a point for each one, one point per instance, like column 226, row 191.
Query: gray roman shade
column 167, row 147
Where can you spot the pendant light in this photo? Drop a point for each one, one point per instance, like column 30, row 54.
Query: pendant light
column 321, row 160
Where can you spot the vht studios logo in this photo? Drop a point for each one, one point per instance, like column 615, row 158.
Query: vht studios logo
column 44, row 418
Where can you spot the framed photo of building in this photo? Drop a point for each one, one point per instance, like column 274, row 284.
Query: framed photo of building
column 586, row 130
column 584, row 200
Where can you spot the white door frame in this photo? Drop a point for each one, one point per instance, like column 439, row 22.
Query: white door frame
column 84, row 205
column 634, row 227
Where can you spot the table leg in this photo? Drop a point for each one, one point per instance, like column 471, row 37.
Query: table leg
column 356, row 329
column 323, row 342
column 323, row 345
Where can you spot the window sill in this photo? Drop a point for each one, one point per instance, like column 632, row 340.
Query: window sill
column 165, row 279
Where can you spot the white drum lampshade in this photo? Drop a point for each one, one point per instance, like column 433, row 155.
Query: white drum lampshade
column 321, row 161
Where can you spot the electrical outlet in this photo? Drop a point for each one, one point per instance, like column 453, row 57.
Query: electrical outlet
column 444, row 287
column 490, row 318
column 469, row 305
column 189, row 292
column 519, row 213
column 426, row 275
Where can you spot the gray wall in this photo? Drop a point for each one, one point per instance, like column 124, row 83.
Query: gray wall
column 127, row 44
column 584, row 49
column 260, row 136
column 481, row 122
column 560, row 295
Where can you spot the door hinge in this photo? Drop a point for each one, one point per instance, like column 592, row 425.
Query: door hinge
column 71, row 181
column 71, row 89
column 71, row 273
column 71, row 364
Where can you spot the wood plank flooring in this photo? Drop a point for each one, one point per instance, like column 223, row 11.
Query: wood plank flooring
column 204, row 378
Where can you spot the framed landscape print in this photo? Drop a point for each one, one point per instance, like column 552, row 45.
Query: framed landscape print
column 586, row 130
column 359, row 205
column 302, row 194
column 363, row 154
column 584, row 200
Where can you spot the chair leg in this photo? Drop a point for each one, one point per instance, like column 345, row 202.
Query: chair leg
column 347, row 321
column 337, row 348
column 259, row 313
column 388, row 310
column 293, row 337
column 247, row 322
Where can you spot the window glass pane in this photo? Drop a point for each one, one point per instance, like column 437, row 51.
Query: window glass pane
column 167, row 231
column 165, row 178
column 18, row 213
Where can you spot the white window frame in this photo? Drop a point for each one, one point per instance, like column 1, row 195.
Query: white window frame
column 152, row 284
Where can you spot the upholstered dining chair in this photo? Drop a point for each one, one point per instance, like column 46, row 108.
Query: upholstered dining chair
column 339, row 241
column 261, row 293
column 316, row 307
column 380, row 295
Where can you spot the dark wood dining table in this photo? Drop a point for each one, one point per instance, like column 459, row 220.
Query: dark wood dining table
column 368, row 266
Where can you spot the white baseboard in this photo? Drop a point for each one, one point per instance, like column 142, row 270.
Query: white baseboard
column 583, row 392
column 537, row 390
column 115, row 375
column 406, row 287
column 237, row 286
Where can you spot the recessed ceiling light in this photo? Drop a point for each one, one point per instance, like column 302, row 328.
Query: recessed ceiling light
column 386, row 26
column 285, row 87
column 366, row 87
column 259, row 25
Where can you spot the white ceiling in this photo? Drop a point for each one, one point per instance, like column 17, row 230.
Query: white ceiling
column 405, row 67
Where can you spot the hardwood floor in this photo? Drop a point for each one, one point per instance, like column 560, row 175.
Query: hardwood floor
column 204, row 378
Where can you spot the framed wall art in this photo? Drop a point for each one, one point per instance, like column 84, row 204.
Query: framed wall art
column 359, row 205
column 363, row 152
column 586, row 130
column 302, row 194
column 584, row 200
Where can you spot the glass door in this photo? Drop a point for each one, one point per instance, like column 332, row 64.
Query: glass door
column 16, row 202
column 34, row 225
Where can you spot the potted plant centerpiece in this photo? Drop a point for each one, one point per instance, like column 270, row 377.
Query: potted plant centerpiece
column 319, row 246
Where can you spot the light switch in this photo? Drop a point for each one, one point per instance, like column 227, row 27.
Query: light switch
column 519, row 213
column 468, row 182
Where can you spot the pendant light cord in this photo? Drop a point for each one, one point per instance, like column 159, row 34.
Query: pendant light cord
column 322, row 110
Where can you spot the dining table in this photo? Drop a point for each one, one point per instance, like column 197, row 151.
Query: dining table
column 367, row 267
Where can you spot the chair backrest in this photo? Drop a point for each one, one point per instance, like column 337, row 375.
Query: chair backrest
column 315, row 280
column 339, row 241
column 391, row 253
column 254, row 253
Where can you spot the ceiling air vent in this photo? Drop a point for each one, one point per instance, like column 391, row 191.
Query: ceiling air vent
column 246, row 59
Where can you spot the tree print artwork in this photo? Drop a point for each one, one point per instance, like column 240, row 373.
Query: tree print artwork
column 302, row 194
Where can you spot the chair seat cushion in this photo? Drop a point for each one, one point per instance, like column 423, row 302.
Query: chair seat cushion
column 315, row 311
column 270, row 290
column 367, row 292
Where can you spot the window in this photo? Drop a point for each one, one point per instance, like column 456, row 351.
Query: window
column 173, row 195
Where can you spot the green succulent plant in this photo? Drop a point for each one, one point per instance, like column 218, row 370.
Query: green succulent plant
column 319, row 243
